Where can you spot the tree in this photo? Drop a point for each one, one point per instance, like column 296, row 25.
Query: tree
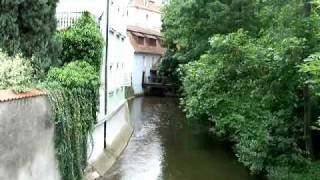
column 249, row 87
column 28, row 26
column 187, row 26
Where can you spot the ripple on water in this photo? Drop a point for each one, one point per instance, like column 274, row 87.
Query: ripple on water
column 163, row 147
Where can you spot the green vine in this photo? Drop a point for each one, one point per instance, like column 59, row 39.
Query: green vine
column 74, row 118
column 72, row 92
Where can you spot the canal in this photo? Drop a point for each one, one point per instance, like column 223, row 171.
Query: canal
column 165, row 147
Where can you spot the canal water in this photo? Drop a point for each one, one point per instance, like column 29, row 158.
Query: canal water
column 165, row 147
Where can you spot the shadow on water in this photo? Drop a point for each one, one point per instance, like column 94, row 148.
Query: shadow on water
column 165, row 147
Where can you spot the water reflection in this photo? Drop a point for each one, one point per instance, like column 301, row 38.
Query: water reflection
column 163, row 147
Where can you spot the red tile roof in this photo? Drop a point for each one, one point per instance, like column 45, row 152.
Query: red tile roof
column 150, row 31
column 8, row 95
column 134, row 31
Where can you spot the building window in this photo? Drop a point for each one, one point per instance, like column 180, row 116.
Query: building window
column 140, row 40
column 152, row 42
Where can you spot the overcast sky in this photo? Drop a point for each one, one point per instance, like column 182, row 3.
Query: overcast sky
column 94, row 6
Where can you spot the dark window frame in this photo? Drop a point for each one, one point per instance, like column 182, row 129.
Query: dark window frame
column 140, row 40
column 152, row 42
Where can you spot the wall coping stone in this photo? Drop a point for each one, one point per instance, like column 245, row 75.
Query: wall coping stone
column 9, row 95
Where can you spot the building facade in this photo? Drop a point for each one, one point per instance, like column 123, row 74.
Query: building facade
column 113, row 128
column 144, row 43
column 144, row 52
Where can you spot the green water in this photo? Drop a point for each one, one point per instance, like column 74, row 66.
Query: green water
column 165, row 147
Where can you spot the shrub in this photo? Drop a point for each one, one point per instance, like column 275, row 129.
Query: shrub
column 15, row 73
column 75, row 75
column 82, row 41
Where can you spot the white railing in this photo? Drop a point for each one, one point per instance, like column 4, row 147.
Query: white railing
column 67, row 19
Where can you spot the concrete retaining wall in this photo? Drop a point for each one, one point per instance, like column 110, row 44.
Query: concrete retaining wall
column 118, row 133
column 26, row 140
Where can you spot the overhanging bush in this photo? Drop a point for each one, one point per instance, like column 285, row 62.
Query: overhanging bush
column 82, row 41
column 73, row 91
column 77, row 74
column 247, row 88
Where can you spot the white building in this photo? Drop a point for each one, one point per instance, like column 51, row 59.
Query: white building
column 144, row 42
column 144, row 13
column 113, row 129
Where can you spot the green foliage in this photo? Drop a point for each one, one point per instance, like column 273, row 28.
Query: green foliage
column 15, row 73
column 241, row 88
column 187, row 26
column 250, row 88
column 82, row 41
column 28, row 27
column 310, row 69
column 73, row 91
column 311, row 171
column 77, row 74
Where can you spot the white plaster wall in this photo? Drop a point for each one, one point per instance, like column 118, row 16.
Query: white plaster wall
column 116, row 63
column 116, row 54
column 142, row 62
column 118, row 9
column 96, row 143
column 129, row 60
column 143, row 18
column 117, row 70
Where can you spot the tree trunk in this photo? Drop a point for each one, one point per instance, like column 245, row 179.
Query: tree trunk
column 307, row 123
column 307, row 100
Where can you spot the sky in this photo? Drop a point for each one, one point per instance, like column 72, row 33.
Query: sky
column 94, row 6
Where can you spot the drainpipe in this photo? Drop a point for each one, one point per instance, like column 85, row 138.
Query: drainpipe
column 106, row 74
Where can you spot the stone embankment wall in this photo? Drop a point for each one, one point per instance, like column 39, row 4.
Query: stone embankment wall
column 26, row 139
